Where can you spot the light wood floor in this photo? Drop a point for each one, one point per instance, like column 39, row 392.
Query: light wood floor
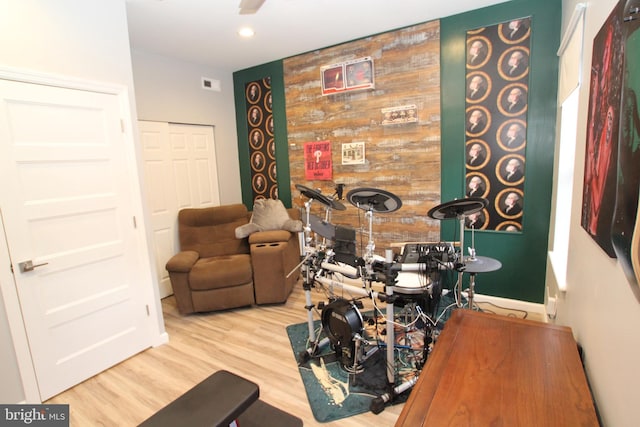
column 251, row 342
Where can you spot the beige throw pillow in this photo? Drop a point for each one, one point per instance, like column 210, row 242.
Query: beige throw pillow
column 268, row 214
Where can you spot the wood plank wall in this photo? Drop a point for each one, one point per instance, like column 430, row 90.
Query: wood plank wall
column 403, row 159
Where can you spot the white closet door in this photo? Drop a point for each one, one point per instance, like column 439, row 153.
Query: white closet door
column 180, row 172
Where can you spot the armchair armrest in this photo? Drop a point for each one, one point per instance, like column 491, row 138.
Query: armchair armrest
column 269, row 236
column 182, row 262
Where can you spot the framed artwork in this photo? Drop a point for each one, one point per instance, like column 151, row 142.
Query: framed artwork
column 353, row 153
column 600, row 168
column 399, row 115
column 317, row 161
column 332, row 79
column 357, row 74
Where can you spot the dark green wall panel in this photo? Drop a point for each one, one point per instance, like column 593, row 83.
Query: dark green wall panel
column 240, row 78
column 523, row 255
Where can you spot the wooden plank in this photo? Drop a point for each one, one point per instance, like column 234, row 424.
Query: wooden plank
column 403, row 159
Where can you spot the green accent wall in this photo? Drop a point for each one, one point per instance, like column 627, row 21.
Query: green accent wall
column 240, row 79
column 523, row 255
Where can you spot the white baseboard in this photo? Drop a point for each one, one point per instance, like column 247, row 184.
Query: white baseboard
column 513, row 304
column 161, row 339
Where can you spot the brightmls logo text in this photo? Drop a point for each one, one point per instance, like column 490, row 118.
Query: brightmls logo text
column 34, row 415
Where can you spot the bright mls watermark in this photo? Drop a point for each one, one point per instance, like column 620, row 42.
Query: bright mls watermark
column 34, row 415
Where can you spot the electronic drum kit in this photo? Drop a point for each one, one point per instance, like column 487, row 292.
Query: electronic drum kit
column 330, row 263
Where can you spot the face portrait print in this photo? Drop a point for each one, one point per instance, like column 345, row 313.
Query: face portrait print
column 256, row 139
column 259, row 183
column 513, row 100
column 478, row 51
column 476, row 220
column 515, row 31
column 509, row 203
column 255, row 116
column 514, row 170
column 253, row 93
column 514, row 63
column 477, row 154
column 257, row 161
column 477, row 185
column 477, row 121
column 512, row 135
column 478, row 87
column 510, row 170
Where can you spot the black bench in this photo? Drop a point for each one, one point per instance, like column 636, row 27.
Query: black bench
column 218, row 401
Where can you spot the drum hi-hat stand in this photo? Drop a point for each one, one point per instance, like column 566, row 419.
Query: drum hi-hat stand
column 459, row 209
column 478, row 264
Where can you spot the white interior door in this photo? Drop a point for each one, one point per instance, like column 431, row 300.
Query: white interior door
column 180, row 172
column 67, row 204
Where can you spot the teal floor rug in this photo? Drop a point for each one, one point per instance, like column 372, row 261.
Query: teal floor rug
column 334, row 393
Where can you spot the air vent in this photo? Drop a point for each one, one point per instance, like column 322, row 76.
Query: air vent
column 211, row 84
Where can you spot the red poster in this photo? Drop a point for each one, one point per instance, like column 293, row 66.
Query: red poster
column 317, row 161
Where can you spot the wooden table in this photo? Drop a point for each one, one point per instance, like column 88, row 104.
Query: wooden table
column 490, row 370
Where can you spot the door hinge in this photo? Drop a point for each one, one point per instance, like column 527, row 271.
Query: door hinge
column 148, row 311
column 135, row 223
column 122, row 125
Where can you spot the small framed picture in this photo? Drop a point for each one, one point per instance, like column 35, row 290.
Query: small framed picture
column 347, row 76
column 359, row 74
column 332, row 79
column 353, row 153
column 399, row 115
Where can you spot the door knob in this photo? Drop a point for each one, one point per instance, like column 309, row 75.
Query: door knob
column 26, row 266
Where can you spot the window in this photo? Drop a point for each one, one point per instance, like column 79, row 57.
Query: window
column 564, row 187
column 570, row 74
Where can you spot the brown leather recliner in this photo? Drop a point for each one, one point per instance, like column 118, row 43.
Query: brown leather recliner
column 217, row 271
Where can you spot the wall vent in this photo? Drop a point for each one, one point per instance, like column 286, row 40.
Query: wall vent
column 211, row 84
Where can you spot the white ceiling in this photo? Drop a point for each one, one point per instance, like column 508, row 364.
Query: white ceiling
column 205, row 31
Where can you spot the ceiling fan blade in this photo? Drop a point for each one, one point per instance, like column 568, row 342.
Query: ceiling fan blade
column 249, row 7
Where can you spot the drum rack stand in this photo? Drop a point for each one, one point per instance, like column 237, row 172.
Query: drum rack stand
column 312, row 275
column 319, row 266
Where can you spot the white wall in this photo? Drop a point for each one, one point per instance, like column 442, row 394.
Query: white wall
column 168, row 90
column 84, row 40
column 599, row 304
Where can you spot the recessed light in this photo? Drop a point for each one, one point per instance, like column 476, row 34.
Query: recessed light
column 246, row 32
